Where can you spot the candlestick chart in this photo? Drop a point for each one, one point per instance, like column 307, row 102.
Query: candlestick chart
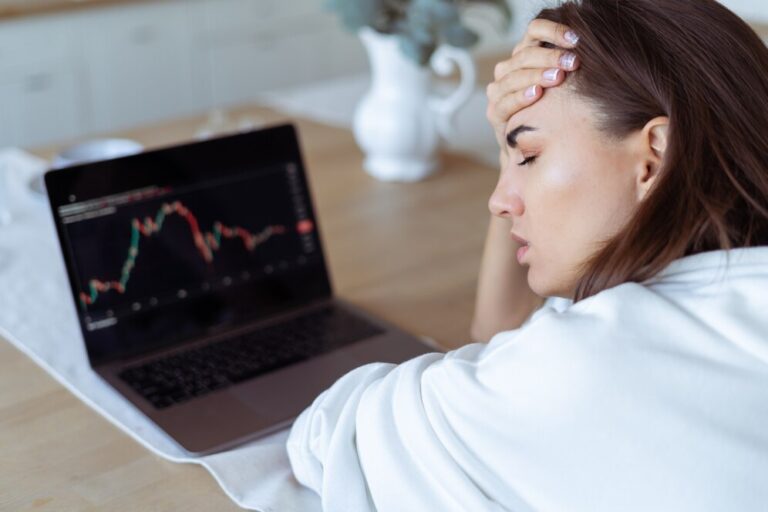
column 206, row 242
column 138, row 254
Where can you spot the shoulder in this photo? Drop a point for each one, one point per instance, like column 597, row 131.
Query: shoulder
column 578, row 339
column 613, row 306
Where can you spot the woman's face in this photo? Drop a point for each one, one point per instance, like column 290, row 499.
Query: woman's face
column 577, row 188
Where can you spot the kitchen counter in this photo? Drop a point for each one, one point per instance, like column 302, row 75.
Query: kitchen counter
column 22, row 8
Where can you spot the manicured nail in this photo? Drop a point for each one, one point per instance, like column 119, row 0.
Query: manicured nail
column 568, row 60
column 551, row 75
column 571, row 37
column 530, row 92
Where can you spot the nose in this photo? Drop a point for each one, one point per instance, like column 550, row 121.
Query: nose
column 505, row 200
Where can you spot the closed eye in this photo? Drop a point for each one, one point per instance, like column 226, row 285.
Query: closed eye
column 527, row 161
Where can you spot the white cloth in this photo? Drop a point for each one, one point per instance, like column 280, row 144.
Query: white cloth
column 38, row 316
column 645, row 397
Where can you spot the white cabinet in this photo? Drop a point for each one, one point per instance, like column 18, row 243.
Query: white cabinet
column 292, row 51
column 40, row 96
column 139, row 65
column 255, row 45
column 29, row 41
column 39, row 106
column 79, row 73
column 228, row 16
column 11, row 113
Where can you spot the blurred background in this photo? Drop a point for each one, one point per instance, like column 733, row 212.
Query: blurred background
column 73, row 69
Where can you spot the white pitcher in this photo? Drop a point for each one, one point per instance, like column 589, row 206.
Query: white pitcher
column 398, row 123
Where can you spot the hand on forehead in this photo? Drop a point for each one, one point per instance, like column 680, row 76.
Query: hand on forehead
column 520, row 80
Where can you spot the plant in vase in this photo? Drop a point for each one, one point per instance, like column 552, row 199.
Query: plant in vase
column 398, row 123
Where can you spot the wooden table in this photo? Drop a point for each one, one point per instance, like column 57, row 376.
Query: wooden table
column 407, row 252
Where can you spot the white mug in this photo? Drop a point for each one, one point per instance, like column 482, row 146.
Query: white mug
column 89, row 151
column 94, row 150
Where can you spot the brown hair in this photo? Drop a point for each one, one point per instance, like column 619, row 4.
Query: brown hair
column 706, row 69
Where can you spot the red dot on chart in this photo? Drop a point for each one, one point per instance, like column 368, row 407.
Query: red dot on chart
column 305, row 226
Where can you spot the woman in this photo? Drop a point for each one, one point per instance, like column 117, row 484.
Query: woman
column 634, row 187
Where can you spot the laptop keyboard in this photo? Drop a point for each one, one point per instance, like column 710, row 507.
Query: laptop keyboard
column 186, row 375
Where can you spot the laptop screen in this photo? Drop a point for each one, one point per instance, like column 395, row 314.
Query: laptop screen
column 188, row 241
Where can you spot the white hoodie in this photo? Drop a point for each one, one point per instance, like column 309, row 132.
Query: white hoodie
column 644, row 397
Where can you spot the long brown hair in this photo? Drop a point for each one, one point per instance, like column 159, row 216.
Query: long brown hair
column 706, row 69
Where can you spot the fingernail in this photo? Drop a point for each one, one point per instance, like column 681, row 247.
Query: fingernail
column 530, row 92
column 551, row 75
column 568, row 60
column 571, row 37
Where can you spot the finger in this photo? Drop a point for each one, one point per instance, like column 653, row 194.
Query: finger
column 499, row 112
column 544, row 30
column 537, row 57
column 520, row 79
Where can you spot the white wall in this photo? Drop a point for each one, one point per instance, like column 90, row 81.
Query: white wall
column 79, row 73
column 524, row 10
column 751, row 10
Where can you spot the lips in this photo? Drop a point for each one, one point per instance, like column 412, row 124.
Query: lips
column 523, row 249
column 521, row 252
column 518, row 239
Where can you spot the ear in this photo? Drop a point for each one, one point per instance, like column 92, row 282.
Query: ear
column 652, row 146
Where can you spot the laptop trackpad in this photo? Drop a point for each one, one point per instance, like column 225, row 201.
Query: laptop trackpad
column 286, row 392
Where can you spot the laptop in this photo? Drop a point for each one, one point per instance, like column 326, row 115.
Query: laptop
column 202, row 290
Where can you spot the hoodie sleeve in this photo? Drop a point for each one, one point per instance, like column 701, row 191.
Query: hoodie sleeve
column 593, row 409
column 378, row 439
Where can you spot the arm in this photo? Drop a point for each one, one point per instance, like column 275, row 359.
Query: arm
column 444, row 431
column 504, row 300
column 376, row 440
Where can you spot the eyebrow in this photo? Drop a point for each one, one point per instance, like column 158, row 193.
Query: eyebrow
column 512, row 136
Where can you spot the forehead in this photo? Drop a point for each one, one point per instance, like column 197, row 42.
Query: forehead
column 559, row 108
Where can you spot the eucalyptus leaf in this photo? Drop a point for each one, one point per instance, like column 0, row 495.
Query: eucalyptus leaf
column 356, row 15
column 460, row 36
column 418, row 31
column 420, row 53
column 422, row 25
